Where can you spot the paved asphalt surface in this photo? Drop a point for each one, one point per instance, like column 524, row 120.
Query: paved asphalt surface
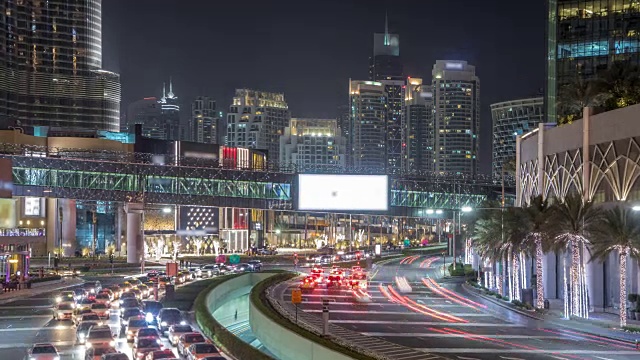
column 24, row 322
column 442, row 318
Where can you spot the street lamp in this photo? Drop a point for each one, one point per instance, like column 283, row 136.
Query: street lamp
column 635, row 208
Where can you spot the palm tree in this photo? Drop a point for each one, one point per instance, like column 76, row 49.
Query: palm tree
column 535, row 227
column 569, row 223
column 487, row 240
column 622, row 82
column 577, row 95
column 618, row 230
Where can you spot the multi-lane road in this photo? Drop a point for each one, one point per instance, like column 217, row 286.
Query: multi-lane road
column 26, row 321
column 413, row 306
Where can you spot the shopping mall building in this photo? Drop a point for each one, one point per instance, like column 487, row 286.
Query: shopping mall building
column 597, row 156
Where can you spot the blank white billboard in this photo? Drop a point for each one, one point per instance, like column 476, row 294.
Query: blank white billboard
column 343, row 192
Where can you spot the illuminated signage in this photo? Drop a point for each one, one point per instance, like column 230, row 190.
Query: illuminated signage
column 453, row 66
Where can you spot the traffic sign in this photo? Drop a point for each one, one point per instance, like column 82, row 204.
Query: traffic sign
column 407, row 242
column 234, row 259
column 296, row 296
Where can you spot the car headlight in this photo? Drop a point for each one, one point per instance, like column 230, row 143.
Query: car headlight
column 164, row 323
column 93, row 291
column 88, row 345
column 58, row 299
column 183, row 322
column 149, row 317
column 82, row 336
column 112, row 343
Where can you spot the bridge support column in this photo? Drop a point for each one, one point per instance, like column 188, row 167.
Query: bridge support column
column 134, row 232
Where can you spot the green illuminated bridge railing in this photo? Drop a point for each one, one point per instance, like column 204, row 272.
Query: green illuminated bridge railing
column 121, row 181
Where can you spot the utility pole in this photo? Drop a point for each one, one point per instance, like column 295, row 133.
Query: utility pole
column 95, row 234
column 60, row 218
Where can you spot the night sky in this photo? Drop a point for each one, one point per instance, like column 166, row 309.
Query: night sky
column 310, row 49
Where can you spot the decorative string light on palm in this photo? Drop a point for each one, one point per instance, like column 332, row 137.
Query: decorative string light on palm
column 516, row 276
column 539, row 273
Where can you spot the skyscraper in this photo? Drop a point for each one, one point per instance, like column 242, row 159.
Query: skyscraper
column 367, row 132
column 204, row 122
column 385, row 66
column 419, row 150
column 160, row 119
column 584, row 38
column 256, row 119
column 313, row 145
column 456, row 92
column 385, row 63
column 51, row 66
column 510, row 119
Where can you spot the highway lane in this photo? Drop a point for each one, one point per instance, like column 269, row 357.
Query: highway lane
column 440, row 318
column 26, row 321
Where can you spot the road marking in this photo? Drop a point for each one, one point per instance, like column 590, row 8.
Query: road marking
column 525, row 351
column 7, row 317
column 55, row 328
column 438, row 335
column 510, row 358
column 423, row 323
column 467, row 358
column 603, row 358
column 389, row 312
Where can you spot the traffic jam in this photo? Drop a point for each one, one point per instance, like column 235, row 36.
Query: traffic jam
column 337, row 278
column 107, row 319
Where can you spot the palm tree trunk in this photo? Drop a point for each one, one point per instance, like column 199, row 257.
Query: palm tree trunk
column 575, row 278
column 623, row 287
column 516, row 276
column 566, row 287
column 539, row 282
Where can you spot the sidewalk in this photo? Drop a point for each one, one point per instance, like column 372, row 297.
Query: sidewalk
column 6, row 297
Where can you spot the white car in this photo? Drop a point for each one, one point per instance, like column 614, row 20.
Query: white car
column 175, row 331
column 43, row 352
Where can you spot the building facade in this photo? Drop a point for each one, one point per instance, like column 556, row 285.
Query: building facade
column 367, row 133
column 456, row 94
column 585, row 38
column 51, row 66
column 313, row 145
column 602, row 165
column 419, row 151
column 204, row 123
column 511, row 119
column 385, row 62
column 256, row 119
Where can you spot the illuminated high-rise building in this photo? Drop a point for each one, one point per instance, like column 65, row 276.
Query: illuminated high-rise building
column 583, row 39
column 51, row 66
column 456, row 99
column 367, row 132
column 204, row 122
column 256, row 119
column 385, row 62
column 419, row 152
column 313, row 145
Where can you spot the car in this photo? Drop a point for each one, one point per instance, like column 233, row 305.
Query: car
column 137, row 293
column 89, row 317
column 151, row 309
column 85, row 303
column 130, row 313
column 97, row 353
column 318, row 278
column 265, row 251
column 117, row 291
column 100, row 336
column 144, row 346
column 133, row 326
column 317, row 269
column 115, row 356
column 43, row 351
column 240, row 268
column 128, row 294
column 103, row 298
column 76, row 316
column 82, row 330
column 145, row 291
column 201, row 350
column 134, row 282
column 130, row 302
column 161, row 354
column 103, row 311
column 163, row 281
column 255, row 265
column 79, row 294
column 167, row 317
column 63, row 311
column 334, row 281
column 108, row 292
column 308, row 283
column 175, row 331
column 65, row 296
column 187, row 340
column 152, row 274
column 147, row 333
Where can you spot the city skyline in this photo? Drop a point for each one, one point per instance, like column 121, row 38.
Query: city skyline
column 322, row 51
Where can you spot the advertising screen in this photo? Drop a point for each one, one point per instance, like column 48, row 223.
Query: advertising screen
column 343, row 192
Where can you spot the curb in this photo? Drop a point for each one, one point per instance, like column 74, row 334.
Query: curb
column 499, row 303
column 15, row 298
